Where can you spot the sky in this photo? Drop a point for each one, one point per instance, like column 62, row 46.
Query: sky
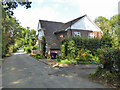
column 64, row 10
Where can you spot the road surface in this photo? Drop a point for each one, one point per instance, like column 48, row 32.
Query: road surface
column 23, row 71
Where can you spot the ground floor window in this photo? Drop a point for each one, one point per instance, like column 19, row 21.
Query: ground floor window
column 90, row 35
column 77, row 33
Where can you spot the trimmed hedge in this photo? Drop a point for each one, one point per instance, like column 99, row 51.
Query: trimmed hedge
column 71, row 45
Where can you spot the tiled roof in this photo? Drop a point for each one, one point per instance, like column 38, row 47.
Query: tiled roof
column 49, row 27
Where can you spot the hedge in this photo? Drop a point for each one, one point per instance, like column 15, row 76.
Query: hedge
column 109, row 59
column 71, row 45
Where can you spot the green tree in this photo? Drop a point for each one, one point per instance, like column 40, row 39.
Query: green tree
column 102, row 23
column 114, row 21
column 13, row 4
column 110, row 28
column 10, row 26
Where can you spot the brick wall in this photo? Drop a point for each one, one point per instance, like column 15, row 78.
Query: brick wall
column 84, row 33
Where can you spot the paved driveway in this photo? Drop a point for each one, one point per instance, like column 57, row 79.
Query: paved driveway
column 23, row 71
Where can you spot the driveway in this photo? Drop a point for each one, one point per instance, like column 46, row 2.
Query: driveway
column 23, row 71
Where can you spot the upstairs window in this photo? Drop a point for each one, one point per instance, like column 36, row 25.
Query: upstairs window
column 90, row 35
column 77, row 34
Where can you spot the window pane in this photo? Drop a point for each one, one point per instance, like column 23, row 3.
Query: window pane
column 77, row 34
column 90, row 35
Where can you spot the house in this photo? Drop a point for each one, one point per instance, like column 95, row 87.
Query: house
column 54, row 32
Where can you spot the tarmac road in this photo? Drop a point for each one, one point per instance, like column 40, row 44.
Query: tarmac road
column 23, row 71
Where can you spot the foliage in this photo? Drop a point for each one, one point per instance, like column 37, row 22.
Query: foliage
column 110, row 28
column 66, row 61
column 71, row 45
column 11, row 30
column 35, row 47
column 109, row 58
column 48, row 57
column 106, row 40
column 83, row 56
column 72, row 48
column 43, row 46
column 28, row 49
column 13, row 4
column 109, row 66
column 103, row 23
column 38, row 56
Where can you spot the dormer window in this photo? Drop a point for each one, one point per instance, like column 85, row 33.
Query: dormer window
column 77, row 33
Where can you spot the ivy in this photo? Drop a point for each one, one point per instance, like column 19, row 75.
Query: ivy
column 43, row 46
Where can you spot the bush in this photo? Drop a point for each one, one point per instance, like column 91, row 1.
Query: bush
column 109, row 58
column 48, row 57
column 28, row 50
column 35, row 47
column 24, row 49
column 71, row 45
column 14, row 50
column 38, row 56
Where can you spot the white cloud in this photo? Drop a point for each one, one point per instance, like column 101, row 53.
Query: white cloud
column 93, row 8
column 38, row 1
column 59, row 1
column 31, row 17
column 66, row 8
column 56, row 5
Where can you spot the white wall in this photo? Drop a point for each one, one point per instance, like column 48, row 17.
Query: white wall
column 85, row 24
column 40, row 33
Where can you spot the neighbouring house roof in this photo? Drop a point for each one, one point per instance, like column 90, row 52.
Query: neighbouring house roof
column 49, row 27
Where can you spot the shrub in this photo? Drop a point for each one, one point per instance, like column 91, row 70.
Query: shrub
column 109, row 59
column 71, row 45
column 28, row 50
column 35, row 47
column 24, row 48
column 14, row 50
column 16, row 47
column 84, row 56
column 48, row 57
column 38, row 55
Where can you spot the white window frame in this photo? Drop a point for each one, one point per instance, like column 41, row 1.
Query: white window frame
column 77, row 34
column 91, row 35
